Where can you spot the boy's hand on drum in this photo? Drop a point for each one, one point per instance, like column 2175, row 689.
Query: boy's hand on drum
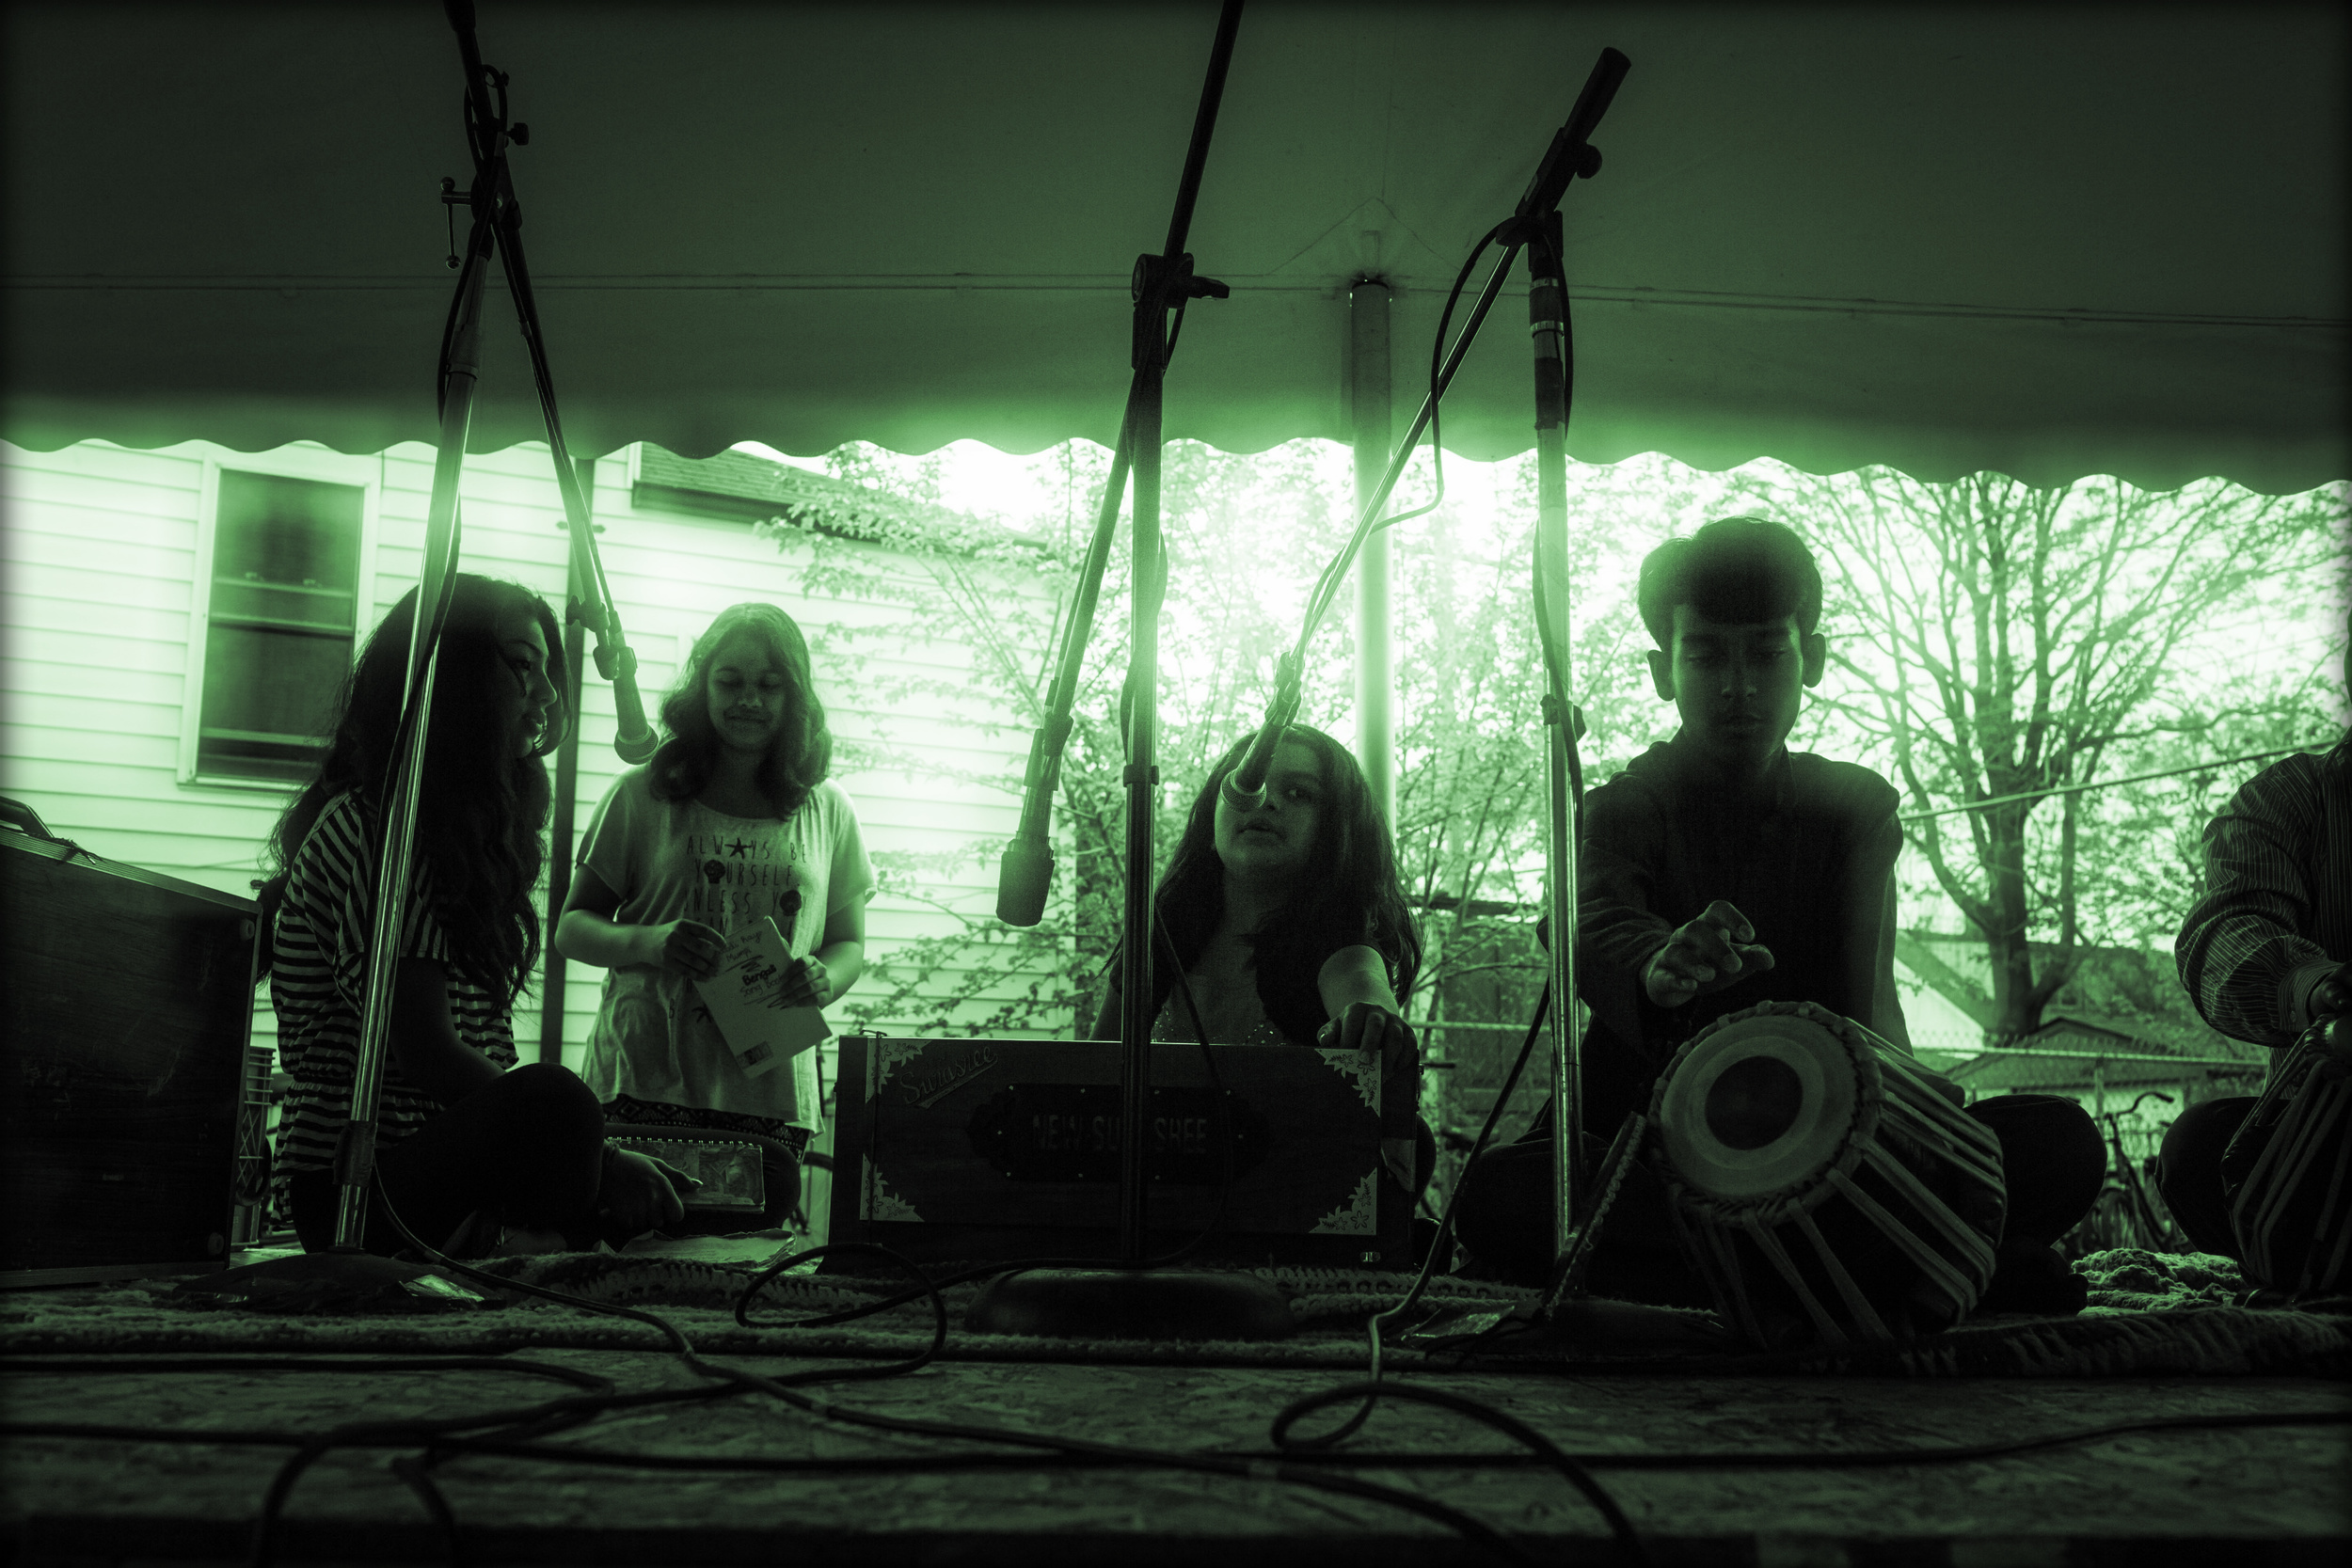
column 1717, row 949
column 806, row 984
column 687, row 947
column 638, row 1194
column 1369, row 1026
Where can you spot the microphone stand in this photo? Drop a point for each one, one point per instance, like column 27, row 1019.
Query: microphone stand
column 496, row 227
column 588, row 599
column 1537, row 223
column 1026, row 869
column 1534, row 225
column 1569, row 155
column 1125, row 1299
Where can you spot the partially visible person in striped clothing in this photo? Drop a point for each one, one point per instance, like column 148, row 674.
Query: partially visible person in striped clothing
column 2265, row 952
column 465, row 1147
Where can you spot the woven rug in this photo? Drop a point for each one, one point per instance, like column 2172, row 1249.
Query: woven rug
column 2150, row 1314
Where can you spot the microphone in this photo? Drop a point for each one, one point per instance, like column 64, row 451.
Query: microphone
column 1243, row 789
column 1571, row 154
column 616, row 661
column 633, row 737
column 1023, row 876
column 1027, row 869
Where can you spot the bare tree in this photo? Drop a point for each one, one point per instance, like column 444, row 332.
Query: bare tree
column 2015, row 639
column 1223, row 626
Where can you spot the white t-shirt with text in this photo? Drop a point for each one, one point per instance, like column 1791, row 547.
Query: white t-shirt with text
column 680, row 860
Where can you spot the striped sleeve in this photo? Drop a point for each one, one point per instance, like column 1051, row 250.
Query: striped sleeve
column 2243, row 953
column 318, row 987
column 345, row 873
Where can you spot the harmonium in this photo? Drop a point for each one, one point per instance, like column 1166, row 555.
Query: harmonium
column 986, row 1150
column 125, row 1127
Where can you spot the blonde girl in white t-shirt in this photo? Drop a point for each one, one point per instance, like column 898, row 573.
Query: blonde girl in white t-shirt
column 731, row 822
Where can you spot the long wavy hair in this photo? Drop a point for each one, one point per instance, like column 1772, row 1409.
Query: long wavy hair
column 798, row 758
column 481, row 809
column 1346, row 895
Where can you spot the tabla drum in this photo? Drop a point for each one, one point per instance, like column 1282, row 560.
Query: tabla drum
column 2288, row 1172
column 1823, row 1183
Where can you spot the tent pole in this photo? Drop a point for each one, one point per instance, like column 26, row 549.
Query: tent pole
column 1375, row 701
column 566, row 788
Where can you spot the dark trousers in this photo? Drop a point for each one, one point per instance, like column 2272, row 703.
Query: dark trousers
column 2052, row 1158
column 2188, row 1172
column 528, row 1150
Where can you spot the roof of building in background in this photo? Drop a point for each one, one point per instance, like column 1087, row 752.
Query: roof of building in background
column 1987, row 1073
column 2122, row 999
column 739, row 484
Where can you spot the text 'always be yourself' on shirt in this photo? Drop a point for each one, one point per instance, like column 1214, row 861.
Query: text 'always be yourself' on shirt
column 680, row 860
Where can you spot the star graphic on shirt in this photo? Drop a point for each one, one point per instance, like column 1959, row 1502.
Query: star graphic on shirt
column 740, row 850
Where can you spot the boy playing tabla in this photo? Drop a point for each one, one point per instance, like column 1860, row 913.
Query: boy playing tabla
column 1720, row 870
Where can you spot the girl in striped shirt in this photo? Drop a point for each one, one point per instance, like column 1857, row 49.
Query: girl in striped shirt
column 467, row 1142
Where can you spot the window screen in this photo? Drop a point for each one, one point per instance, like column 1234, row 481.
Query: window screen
column 284, row 608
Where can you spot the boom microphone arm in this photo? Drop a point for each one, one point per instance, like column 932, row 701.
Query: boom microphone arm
column 591, row 606
column 497, row 225
column 1026, row 870
column 1570, row 156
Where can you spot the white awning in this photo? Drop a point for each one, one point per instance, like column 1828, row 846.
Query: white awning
column 2045, row 242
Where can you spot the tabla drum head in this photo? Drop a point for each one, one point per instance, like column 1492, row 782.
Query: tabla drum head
column 1758, row 1104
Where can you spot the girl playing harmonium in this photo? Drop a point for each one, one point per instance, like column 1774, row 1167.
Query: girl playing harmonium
column 731, row 823
column 1290, row 926
column 469, row 1152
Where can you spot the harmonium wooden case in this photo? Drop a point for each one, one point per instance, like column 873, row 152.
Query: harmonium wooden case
column 129, row 1002
column 979, row 1150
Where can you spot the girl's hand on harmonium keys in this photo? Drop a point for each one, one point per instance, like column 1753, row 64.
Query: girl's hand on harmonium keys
column 1369, row 1026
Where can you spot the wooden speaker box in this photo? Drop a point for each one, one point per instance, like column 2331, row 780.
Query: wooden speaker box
column 975, row 1150
column 128, row 1000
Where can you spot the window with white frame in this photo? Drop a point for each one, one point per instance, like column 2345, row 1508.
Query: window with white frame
column 280, row 569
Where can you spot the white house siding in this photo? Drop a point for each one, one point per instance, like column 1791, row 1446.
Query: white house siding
column 97, row 606
column 1942, row 1031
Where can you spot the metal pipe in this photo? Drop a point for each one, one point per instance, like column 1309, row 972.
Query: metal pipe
column 555, row 968
column 1375, row 685
column 2110, row 784
column 1547, row 312
column 354, row 1149
column 1142, row 780
column 1162, row 283
column 2091, row 1055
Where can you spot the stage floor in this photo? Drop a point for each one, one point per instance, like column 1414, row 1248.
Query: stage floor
column 2243, row 1497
